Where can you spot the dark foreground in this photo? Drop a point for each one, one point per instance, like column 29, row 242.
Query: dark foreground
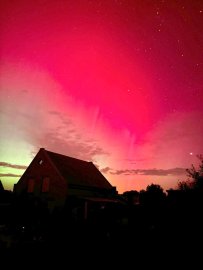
column 82, row 246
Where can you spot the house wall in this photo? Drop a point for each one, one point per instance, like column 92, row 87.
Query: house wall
column 40, row 168
column 83, row 192
column 87, row 192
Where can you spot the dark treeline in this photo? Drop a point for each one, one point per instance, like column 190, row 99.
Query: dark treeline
column 145, row 222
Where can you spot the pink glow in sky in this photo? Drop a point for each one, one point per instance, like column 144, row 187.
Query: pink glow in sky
column 115, row 82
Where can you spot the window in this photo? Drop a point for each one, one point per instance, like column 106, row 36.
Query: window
column 45, row 184
column 40, row 162
column 31, row 185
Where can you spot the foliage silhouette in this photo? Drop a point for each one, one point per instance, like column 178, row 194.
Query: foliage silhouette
column 195, row 175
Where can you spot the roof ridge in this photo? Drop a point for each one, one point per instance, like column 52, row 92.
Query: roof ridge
column 68, row 156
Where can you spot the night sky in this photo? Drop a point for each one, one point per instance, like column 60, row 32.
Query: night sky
column 119, row 83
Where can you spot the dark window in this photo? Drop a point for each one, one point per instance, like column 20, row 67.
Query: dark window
column 45, row 184
column 31, row 185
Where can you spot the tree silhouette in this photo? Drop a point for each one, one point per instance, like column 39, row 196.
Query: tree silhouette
column 132, row 196
column 185, row 185
column 154, row 195
column 155, row 189
column 196, row 174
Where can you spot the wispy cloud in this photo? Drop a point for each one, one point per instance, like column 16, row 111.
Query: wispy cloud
column 72, row 144
column 54, row 112
column 14, row 166
column 158, row 172
column 9, row 175
column 105, row 170
column 66, row 138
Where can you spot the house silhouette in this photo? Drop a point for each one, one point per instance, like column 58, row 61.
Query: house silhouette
column 52, row 177
column 1, row 187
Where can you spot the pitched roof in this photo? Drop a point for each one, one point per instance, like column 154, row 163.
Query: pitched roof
column 1, row 186
column 78, row 172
